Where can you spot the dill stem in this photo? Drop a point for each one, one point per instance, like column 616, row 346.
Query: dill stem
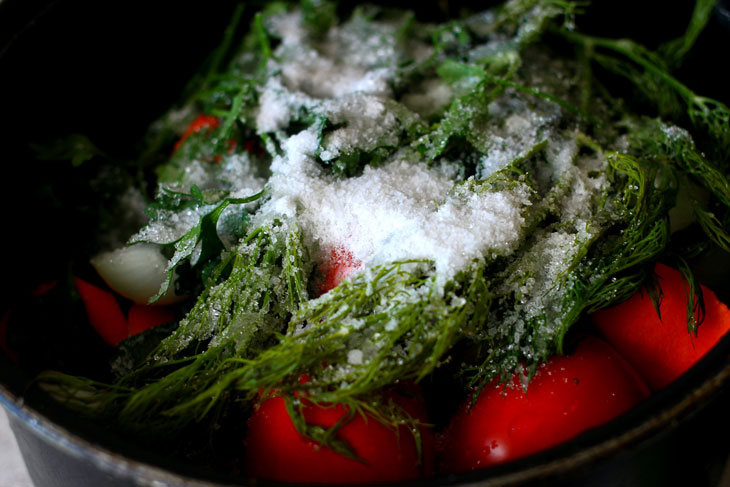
column 220, row 52
column 629, row 48
column 263, row 39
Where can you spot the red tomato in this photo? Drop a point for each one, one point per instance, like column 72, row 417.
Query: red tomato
column 568, row 395
column 201, row 122
column 276, row 451
column 103, row 311
column 338, row 265
column 662, row 349
column 142, row 317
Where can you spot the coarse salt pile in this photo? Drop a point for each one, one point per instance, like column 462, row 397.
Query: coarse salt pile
column 399, row 211
column 402, row 209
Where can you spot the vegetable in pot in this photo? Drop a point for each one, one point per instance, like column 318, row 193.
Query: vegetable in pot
column 659, row 341
column 566, row 396
column 490, row 188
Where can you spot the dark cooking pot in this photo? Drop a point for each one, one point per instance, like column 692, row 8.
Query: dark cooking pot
column 107, row 69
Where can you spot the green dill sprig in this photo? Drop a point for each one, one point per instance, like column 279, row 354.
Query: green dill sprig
column 695, row 307
column 319, row 15
column 654, row 139
column 648, row 72
column 643, row 229
column 602, row 265
column 250, row 294
column 216, row 61
column 402, row 325
column 139, row 402
column 675, row 50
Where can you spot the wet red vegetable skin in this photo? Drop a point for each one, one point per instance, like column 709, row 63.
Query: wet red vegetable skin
column 276, row 451
column 336, row 267
column 103, row 311
column 107, row 318
column 204, row 123
column 143, row 317
column 568, row 395
column 663, row 349
column 201, row 122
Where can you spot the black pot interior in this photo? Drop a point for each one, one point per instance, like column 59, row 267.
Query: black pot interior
column 108, row 69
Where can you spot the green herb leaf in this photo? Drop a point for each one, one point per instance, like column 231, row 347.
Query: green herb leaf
column 202, row 239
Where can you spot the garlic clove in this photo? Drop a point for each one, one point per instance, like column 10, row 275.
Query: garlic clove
column 136, row 272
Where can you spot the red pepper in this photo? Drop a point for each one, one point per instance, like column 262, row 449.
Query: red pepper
column 208, row 122
column 103, row 311
column 106, row 316
column 201, row 122
column 142, row 317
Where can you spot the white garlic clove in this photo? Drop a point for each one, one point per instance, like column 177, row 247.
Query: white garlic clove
column 136, row 272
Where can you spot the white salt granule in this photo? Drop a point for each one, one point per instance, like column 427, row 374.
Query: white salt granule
column 275, row 107
column 674, row 133
column 303, row 73
column 428, row 97
column 134, row 204
column 367, row 125
column 481, row 23
column 560, row 154
column 233, row 172
column 589, row 180
column 354, row 357
column 359, row 57
column 364, row 43
column 514, row 128
column 298, row 159
column 170, row 226
column 459, row 231
column 323, row 78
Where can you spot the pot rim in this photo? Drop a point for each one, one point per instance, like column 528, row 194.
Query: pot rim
column 105, row 459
